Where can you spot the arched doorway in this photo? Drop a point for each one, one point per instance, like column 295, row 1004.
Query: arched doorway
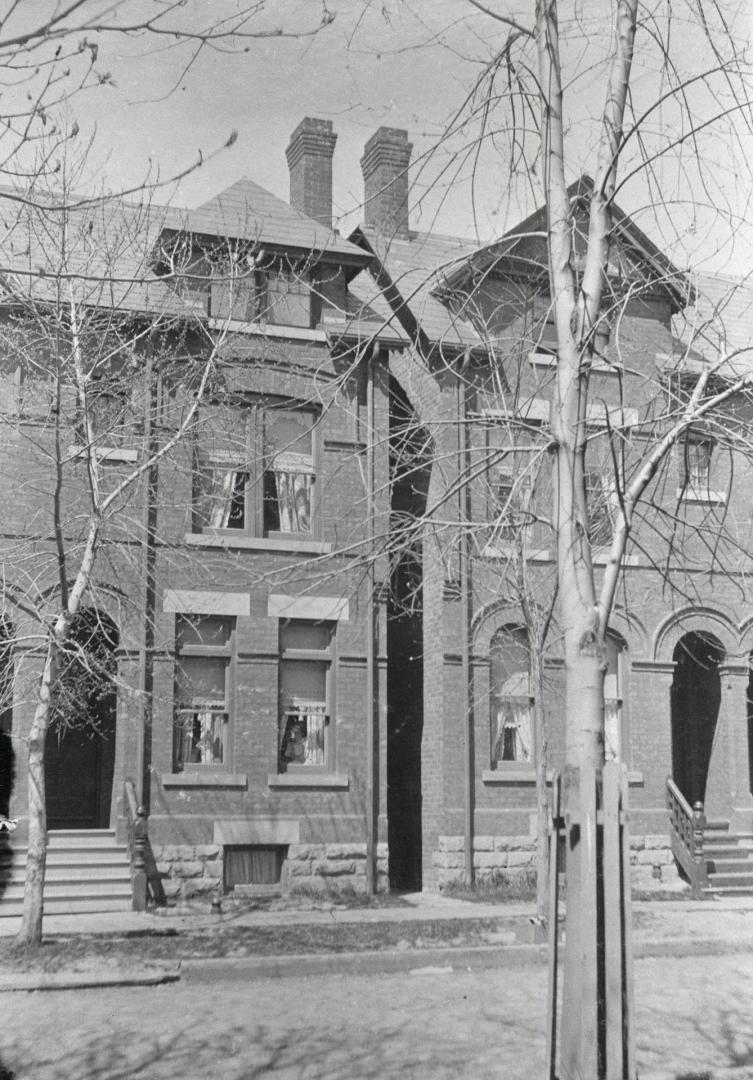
column 80, row 747
column 696, row 695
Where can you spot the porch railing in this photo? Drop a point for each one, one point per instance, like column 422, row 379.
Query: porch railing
column 145, row 879
column 687, row 825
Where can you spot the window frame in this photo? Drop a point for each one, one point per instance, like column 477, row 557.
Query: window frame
column 225, row 651
column 504, row 468
column 252, row 461
column 518, row 633
column 601, row 494
column 326, row 656
column 254, row 295
column 621, row 699
column 688, row 489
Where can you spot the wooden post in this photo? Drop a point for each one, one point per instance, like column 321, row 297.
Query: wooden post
column 700, row 877
column 555, row 832
column 138, row 861
column 600, row 926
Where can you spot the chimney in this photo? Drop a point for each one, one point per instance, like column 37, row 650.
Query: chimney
column 384, row 164
column 309, row 155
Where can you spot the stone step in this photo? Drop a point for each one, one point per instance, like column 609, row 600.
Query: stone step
column 72, row 906
column 87, row 856
column 111, row 872
column 82, row 838
column 728, row 864
column 728, row 850
column 743, row 879
column 87, row 870
column 729, row 890
column 72, row 890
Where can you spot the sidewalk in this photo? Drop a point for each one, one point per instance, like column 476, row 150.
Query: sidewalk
column 660, row 928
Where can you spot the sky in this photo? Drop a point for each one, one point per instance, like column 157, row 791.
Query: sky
column 410, row 64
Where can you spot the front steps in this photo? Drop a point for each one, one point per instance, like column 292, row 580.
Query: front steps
column 729, row 860
column 87, row 871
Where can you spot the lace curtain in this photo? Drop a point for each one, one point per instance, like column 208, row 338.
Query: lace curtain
column 302, row 734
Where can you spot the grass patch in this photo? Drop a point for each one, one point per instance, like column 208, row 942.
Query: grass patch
column 222, row 940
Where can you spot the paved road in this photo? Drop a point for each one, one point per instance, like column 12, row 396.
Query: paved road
column 422, row 1026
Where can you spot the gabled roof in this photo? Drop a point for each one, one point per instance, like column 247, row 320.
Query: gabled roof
column 400, row 285
column 522, row 251
column 720, row 322
column 246, row 210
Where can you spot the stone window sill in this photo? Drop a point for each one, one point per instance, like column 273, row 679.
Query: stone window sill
column 600, row 557
column 309, row 780
column 504, row 551
column 205, row 780
column 107, row 453
column 701, row 498
column 259, row 329
column 522, row 773
column 258, row 543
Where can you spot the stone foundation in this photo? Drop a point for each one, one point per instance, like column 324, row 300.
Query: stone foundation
column 510, row 861
column 194, row 873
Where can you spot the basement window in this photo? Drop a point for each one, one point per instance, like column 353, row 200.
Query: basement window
column 255, row 864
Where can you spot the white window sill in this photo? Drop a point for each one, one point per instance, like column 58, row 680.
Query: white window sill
column 258, row 329
column 257, row 543
column 309, row 780
column 205, row 780
column 506, row 551
column 106, row 453
column 701, row 498
column 522, row 772
column 600, row 557
column 513, row 772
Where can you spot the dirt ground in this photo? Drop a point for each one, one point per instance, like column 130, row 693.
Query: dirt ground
column 431, row 1024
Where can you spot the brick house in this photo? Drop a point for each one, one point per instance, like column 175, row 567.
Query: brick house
column 314, row 622
column 477, row 382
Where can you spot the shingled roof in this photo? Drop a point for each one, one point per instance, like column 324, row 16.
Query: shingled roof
column 247, row 210
column 400, row 285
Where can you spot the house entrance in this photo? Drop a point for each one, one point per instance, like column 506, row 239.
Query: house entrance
column 695, row 699
column 80, row 747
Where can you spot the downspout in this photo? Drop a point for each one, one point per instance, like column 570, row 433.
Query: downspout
column 466, row 601
column 372, row 688
column 148, row 562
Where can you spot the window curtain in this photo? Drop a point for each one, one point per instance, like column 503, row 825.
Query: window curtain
column 512, row 741
column 228, row 491
column 612, row 709
column 302, row 734
column 202, row 737
column 293, row 481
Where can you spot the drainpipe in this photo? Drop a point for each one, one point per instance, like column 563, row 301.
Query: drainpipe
column 148, row 561
column 466, row 603
column 372, row 688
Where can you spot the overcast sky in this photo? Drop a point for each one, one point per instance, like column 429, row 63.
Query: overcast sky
column 403, row 63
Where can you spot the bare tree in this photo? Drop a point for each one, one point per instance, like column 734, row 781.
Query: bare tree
column 92, row 320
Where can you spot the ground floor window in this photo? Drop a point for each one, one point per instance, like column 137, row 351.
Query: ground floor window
column 254, row 864
column 202, row 715
column 511, row 701
column 306, row 695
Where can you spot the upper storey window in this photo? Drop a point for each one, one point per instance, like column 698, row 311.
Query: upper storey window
column 255, row 471
column 279, row 294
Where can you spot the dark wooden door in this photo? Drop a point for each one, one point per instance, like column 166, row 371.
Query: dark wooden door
column 72, row 779
column 79, row 766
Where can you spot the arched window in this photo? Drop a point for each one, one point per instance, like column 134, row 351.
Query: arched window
column 613, row 694
column 511, row 701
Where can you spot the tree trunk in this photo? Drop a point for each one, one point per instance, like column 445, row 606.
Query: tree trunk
column 36, row 858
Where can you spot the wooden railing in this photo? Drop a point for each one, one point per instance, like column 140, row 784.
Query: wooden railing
column 688, row 823
column 145, row 880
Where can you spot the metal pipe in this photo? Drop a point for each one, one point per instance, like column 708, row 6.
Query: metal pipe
column 466, row 600
column 372, row 688
column 148, row 562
